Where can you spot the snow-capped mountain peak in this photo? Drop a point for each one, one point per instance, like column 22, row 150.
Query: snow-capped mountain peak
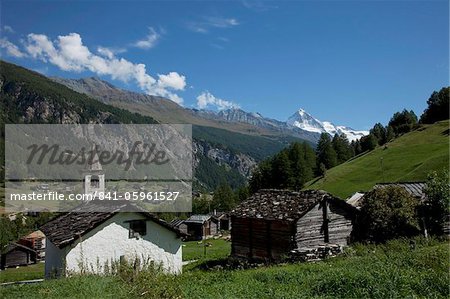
column 305, row 121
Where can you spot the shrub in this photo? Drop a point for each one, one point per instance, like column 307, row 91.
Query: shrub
column 437, row 203
column 388, row 212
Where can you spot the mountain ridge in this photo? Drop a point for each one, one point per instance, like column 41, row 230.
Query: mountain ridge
column 234, row 119
column 167, row 111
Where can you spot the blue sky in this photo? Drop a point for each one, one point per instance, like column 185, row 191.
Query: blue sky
column 350, row 62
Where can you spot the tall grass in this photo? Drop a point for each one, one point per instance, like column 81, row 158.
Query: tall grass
column 397, row 269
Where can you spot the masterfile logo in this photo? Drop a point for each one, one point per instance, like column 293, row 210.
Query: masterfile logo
column 64, row 167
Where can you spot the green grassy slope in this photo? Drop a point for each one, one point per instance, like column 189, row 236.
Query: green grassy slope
column 407, row 158
column 392, row 270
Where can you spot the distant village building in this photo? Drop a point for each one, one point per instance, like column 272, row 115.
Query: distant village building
column 87, row 242
column 180, row 225
column 273, row 223
column 222, row 220
column 200, row 227
column 35, row 241
column 16, row 254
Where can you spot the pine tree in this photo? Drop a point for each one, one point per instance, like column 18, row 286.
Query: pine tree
column 389, row 133
column 368, row 142
column 224, row 198
column 403, row 122
column 296, row 157
column 379, row 131
column 342, row 148
column 325, row 152
column 438, row 107
column 282, row 171
column 310, row 162
column 262, row 176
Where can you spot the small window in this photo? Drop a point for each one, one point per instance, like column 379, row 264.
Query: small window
column 137, row 228
column 95, row 181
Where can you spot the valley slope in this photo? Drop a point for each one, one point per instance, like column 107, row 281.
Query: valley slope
column 407, row 158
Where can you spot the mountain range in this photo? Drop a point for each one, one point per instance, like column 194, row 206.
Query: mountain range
column 300, row 125
column 222, row 151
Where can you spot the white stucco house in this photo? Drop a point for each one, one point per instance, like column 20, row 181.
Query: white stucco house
column 87, row 241
column 95, row 235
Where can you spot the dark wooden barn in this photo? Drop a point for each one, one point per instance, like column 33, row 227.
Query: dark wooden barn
column 199, row 227
column 222, row 219
column 272, row 223
column 17, row 255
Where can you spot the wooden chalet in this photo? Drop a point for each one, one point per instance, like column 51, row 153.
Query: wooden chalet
column 16, row 254
column 273, row 223
column 222, row 220
column 199, row 227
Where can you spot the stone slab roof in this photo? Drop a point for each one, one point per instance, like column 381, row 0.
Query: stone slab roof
column 176, row 222
column 274, row 204
column 68, row 227
column 416, row 189
column 198, row 219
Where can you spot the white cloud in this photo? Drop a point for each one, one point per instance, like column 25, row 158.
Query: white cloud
column 11, row 49
column 206, row 99
column 110, row 52
column 69, row 54
column 212, row 22
column 220, row 22
column 8, row 29
column 172, row 80
column 150, row 40
column 197, row 27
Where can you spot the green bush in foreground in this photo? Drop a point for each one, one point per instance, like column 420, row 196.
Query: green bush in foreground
column 386, row 213
column 437, row 203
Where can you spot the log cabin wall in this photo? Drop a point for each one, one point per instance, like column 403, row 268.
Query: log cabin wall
column 213, row 227
column 17, row 257
column 261, row 239
column 340, row 225
column 310, row 232
column 319, row 226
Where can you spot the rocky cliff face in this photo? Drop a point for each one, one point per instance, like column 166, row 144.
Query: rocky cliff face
column 244, row 164
column 32, row 107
